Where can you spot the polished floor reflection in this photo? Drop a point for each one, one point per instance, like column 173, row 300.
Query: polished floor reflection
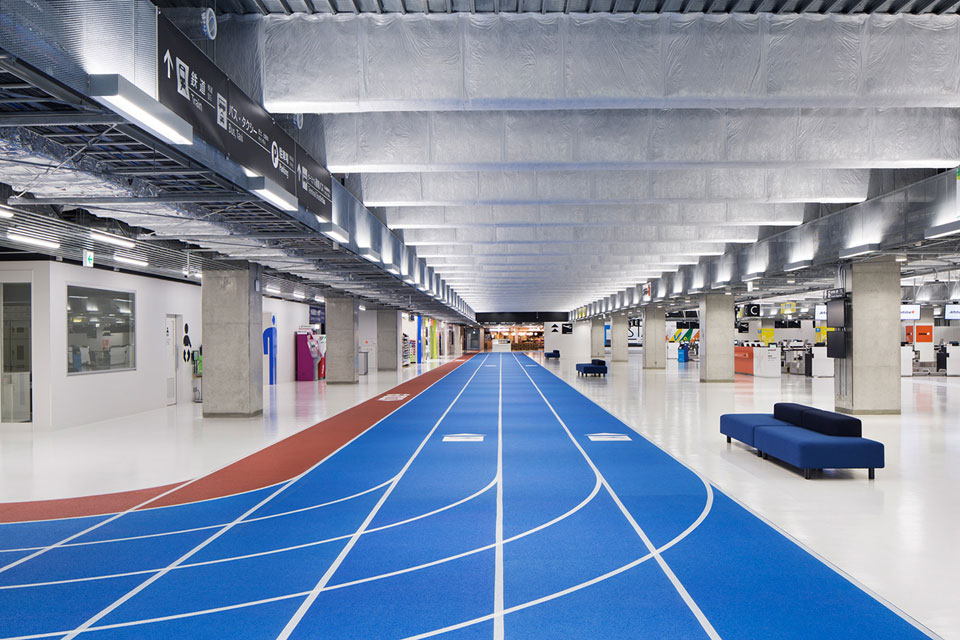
column 896, row 536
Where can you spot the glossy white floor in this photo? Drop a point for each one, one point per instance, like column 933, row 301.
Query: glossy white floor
column 169, row 445
column 899, row 536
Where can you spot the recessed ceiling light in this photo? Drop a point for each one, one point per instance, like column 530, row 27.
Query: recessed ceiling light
column 37, row 242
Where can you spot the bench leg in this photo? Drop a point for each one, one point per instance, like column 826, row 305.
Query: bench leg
column 728, row 439
column 806, row 474
column 766, row 457
column 759, row 453
column 871, row 474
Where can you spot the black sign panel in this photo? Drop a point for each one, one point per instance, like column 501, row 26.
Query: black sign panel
column 191, row 85
column 566, row 328
column 831, row 294
column 314, row 190
column 258, row 143
column 317, row 314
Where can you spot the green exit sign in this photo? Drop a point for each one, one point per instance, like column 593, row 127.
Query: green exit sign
column 87, row 258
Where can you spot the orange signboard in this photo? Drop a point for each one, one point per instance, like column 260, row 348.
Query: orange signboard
column 924, row 333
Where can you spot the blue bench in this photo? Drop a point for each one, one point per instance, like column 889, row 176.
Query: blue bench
column 806, row 437
column 552, row 354
column 598, row 367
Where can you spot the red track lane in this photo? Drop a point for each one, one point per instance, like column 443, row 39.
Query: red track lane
column 278, row 462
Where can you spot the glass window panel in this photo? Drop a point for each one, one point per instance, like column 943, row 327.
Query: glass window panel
column 100, row 330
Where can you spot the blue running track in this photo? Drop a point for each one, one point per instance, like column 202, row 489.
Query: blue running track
column 522, row 527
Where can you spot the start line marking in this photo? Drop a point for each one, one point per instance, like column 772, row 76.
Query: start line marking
column 463, row 437
column 393, row 397
column 608, row 437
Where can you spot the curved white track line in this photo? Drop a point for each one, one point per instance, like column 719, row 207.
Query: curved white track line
column 696, row 523
column 156, row 576
column 211, row 526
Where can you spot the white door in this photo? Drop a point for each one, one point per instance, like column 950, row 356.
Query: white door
column 172, row 351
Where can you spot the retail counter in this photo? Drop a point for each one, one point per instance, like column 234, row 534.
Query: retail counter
column 501, row 345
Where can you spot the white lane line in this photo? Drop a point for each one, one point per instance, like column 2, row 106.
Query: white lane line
column 213, row 526
column 143, row 585
column 684, row 594
column 312, row 543
column 550, row 523
column 498, row 553
column 463, row 437
column 328, row 574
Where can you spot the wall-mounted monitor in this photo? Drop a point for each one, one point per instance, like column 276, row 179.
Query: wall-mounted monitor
column 820, row 312
column 836, row 344
column 837, row 313
column 951, row 312
column 909, row 312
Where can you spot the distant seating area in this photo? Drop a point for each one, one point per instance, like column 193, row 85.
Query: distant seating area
column 594, row 367
column 552, row 354
column 806, row 437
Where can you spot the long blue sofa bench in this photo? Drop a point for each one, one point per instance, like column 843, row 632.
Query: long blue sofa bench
column 595, row 366
column 552, row 354
column 806, row 437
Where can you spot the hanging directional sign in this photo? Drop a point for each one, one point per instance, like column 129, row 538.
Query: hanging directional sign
column 190, row 84
column 314, row 188
column 193, row 87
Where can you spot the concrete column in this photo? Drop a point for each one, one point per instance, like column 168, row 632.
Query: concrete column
column 654, row 342
column 343, row 339
column 867, row 381
column 232, row 343
column 389, row 340
column 597, row 349
column 619, row 328
column 457, row 340
column 717, row 327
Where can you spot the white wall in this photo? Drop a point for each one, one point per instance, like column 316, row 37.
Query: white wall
column 368, row 337
column 60, row 400
column 290, row 316
column 575, row 346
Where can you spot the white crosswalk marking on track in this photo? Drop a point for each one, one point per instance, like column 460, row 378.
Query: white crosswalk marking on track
column 608, row 437
column 463, row 437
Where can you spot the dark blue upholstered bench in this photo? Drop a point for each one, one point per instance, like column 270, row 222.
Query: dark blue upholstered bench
column 595, row 366
column 551, row 354
column 806, row 437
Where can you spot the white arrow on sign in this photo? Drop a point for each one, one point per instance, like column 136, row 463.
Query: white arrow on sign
column 169, row 61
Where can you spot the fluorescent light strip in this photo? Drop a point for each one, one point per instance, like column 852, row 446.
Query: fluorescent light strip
column 942, row 230
column 284, row 200
column 37, row 242
column 131, row 102
column 750, row 277
column 131, row 261
column 796, row 266
column 272, row 289
column 860, row 250
column 111, row 239
column 299, row 295
column 6, row 212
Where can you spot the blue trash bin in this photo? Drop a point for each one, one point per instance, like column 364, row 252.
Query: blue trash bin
column 683, row 353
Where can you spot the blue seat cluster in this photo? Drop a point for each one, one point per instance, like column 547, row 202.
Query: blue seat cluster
column 595, row 366
column 552, row 354
column 806, row 437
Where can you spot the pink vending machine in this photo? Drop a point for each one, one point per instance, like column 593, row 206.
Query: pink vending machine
column 309, row 350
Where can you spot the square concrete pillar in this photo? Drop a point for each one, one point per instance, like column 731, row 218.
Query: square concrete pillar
column 717, row 327
column 389, row 340
column 597, row 348
column 867, row 381
column 343, row 339
column 619, row 331
column 231, row 310
column 457, row 340
column 654, row 338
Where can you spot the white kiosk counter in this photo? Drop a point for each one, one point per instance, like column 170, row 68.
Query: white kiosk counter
column 906, row 360
column 766, row 362
column 501, row 345
column 953, row 360
column 821, row 366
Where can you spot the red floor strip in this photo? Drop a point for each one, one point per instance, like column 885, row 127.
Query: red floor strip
column 278, row 462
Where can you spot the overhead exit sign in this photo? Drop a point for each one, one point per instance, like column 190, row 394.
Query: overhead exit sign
column 87, row 258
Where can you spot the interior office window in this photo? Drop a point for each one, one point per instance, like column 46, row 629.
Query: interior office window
column 101, row 328
column 16, row 402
